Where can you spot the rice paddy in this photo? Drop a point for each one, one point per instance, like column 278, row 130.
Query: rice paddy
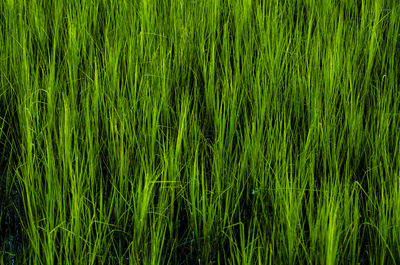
column 199, row 132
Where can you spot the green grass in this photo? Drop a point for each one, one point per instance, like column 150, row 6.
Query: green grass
column 200, row 132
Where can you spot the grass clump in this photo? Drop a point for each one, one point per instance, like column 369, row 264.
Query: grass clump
column 199, row 132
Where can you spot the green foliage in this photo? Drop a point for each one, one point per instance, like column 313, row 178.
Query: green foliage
column 200, row 132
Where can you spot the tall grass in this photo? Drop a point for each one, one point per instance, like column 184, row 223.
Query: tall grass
column 200, row 132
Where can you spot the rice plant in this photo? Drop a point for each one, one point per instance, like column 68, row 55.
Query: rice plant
column 199, row 132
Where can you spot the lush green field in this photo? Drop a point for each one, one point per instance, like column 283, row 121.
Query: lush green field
column 200, row 132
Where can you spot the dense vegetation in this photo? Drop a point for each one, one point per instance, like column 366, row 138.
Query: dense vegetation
column 199, row 132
